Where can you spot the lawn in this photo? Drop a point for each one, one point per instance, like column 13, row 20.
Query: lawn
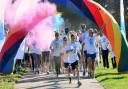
column 8, row 81
column 111, row 79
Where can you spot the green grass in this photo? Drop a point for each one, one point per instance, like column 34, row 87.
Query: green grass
column 111, row 79
column 8, row 81
column 7, row 85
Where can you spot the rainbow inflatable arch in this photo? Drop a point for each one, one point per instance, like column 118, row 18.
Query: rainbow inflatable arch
column 87, row 8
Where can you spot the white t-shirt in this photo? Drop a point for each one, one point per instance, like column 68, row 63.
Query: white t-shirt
column 112, row 54
column 72, row 56
column 84, row 35
column 98, row 41
column 85, row 45
column 34, row 49
column 56, row 46
column 104, row 42
column 63, row 50
column 90, row 43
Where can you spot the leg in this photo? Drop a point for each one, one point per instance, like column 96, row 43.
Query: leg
column 93, row 64
column 68, row 72
column 85, row 66
column 59, row 64
column 43, row 61
column 32, row 61
column 115, row 62
column 38, row 61
column 112, row 59
column 89, row 66
column 103, row 56
column 69, row 77
column 93, row 67
column 47, row 61
column 56, row 65
column 78, row 75
column 106, row 57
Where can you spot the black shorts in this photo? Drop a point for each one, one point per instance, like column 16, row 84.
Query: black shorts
column 93, row 56
column 85, row 53
column 73, row 65
column 46, row 56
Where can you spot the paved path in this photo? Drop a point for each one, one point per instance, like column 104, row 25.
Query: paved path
column 44, row 81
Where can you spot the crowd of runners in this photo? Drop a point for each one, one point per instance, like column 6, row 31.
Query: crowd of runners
column 70, row 52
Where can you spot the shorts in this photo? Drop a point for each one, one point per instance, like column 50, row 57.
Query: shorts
column 73, row 65
column 85, row 53
column 46, row 56
column 93, row 56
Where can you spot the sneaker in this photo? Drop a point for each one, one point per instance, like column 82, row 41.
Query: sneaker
column 36, row 71
column 91, row 75
column 47, row 73
column 79, row 84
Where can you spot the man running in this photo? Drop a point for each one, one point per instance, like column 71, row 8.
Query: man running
column 71, row 59
column 91, row 52
column 56, row 50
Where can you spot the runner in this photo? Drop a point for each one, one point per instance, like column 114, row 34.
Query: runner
column 56, row 50
column 112, row 55
column 104, row 45
column 35, row 54
column 26, row 55
column 63, row 53
column 71, row 59
column 98, row 46
column 91, row 52
column 84, row 48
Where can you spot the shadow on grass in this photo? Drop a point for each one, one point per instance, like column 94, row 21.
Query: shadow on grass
column 115, row 78
column 108, row 76
column 105, row 74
